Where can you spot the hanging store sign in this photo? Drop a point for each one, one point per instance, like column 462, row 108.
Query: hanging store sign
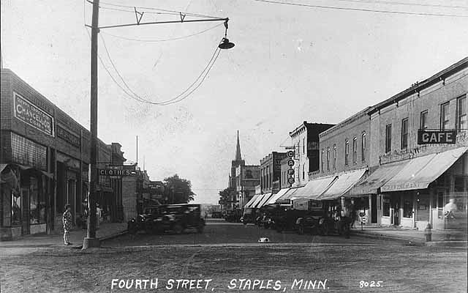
column 32, row 115
column 116, row 172
column 437, row 136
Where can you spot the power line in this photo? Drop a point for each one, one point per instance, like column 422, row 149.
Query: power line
column 358, row 9
column 163, row 40
column 404, row 3
column 182, row 96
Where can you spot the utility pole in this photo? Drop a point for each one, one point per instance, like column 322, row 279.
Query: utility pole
column 91, row 240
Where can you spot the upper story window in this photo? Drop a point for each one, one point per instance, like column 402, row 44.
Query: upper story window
column 404, row 134
column 328, row 159
column 303, row 146
column 303, row 172
column 461, row 114
column 346, row 154
column 388, row 138
column 444, row 116
column 334, row 157
column 355, row 150
column 321, row 161
column 423, row 120
column 248, row 174
column 363, row 146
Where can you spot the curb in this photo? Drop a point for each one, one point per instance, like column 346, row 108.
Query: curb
column 115, row 235
column 414, row 241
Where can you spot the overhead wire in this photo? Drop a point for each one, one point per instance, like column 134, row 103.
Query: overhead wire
column 359, row 9
column 404, row 3
column 180, row 97
column 162, row 40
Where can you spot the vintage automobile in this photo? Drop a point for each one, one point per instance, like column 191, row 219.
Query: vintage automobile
column 249, row 216
column 143, row 221
column 216, row 215
column 233, row 216
column 172, row 217
column 284, row 219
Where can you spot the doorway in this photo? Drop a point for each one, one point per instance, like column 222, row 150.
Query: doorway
column 395, row 204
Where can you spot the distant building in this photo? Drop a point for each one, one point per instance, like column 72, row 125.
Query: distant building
column 270, row 172
column 247, row 177
column 305, row 143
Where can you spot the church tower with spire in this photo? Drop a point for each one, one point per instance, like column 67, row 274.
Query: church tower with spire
column 236, row 163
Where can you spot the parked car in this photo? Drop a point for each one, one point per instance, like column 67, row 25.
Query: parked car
column 285, row 219
column 173, row 217
column 216, row 215
column 233, row 216
column 249, row 216
column 143, row 222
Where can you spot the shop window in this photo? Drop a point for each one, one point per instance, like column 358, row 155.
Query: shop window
column 6, row 207
column 408, row 208
column 16, row 209
column 386, row 206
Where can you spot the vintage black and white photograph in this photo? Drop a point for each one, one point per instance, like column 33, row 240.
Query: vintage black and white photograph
column 234, row 146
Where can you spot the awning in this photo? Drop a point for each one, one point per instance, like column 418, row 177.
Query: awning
column 379, row 177
column 2, row 166
column 287, row 196
column 257, row 201
column 422, row 171
column 315, row 188
column 276, row 196
column 342, row 185
column 264, row 200
column 251, row 201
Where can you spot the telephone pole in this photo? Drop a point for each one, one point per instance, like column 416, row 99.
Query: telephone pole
column 91, row 240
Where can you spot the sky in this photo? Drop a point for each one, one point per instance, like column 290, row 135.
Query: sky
column 293, row 61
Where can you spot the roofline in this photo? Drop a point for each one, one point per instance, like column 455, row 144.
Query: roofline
column 365, row 112
column 441, row 75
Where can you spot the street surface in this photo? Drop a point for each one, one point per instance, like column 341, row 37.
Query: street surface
column 228, row 258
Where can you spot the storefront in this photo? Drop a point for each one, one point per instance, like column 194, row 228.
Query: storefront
column 416, row 195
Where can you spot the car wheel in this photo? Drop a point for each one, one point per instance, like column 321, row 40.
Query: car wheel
column 325, row 230
column 177, row 228
column 300, row 229
column 200, row 228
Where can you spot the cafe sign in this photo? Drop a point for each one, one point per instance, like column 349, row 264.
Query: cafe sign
column 32, row 115
column 437, row 136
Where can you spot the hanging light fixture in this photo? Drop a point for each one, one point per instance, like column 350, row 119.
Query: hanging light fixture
column 225, row 43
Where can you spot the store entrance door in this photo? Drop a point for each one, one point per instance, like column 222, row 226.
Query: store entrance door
column 25, row 211
column 395, row 203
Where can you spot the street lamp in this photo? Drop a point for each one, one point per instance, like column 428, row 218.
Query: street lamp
column 91, row 240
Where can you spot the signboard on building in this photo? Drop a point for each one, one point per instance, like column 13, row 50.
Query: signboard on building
column 67, row 136
column 437, row 136
column 32, row 115
column 116, row 172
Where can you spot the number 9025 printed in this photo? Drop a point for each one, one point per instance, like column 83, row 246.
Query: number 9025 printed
column 370, row 284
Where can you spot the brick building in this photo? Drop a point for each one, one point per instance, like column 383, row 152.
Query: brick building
column 44, row 162
column 412, row 180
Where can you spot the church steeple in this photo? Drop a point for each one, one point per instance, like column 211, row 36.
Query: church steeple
column 238, row 150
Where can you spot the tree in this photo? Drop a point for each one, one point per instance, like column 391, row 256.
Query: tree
column 227, row 197
column 178, row 190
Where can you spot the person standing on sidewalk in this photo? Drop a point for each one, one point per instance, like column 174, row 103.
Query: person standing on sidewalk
column 67, row 224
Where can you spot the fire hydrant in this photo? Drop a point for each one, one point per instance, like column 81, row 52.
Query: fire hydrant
column 428, row 232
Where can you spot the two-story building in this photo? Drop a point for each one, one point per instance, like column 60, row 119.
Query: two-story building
column 44, row 160
column 418, row 152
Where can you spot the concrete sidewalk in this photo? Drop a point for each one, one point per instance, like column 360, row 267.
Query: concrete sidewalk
column 438, row 237
column 105, row 231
